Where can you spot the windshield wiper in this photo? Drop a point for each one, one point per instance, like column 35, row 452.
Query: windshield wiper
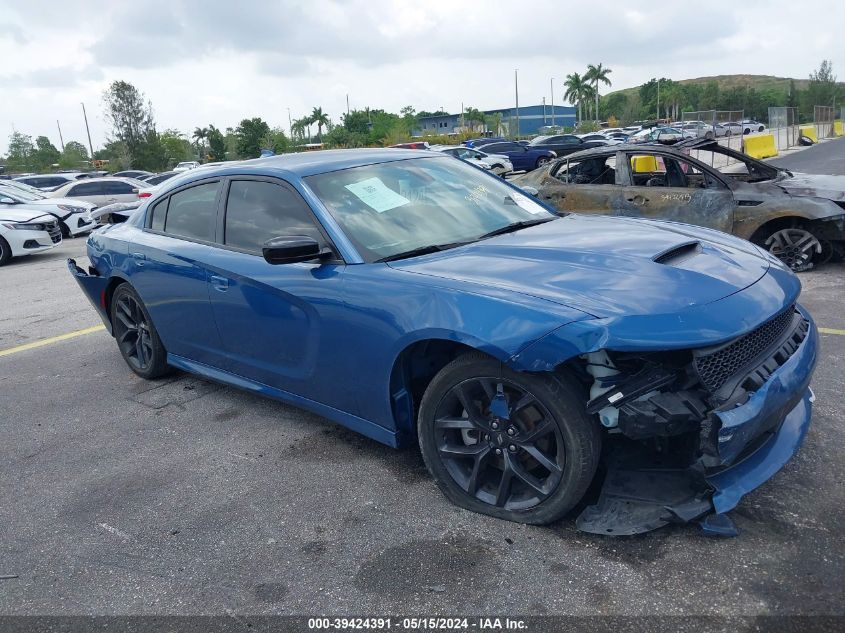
column 422, row 250
column 516, row 226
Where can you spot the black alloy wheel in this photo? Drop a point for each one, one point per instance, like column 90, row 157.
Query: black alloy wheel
column 512, row 445
column 135, row 334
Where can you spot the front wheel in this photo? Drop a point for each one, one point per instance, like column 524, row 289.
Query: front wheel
column 795, row 247
column 516, row 446
column 136, row 335
column 5, row 251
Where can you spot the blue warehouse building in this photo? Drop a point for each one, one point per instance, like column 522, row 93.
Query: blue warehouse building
column 531, row 119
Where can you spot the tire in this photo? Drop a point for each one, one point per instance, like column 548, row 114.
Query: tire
column 796, row 247
column 543, row 160
column 746, row 131
column 727, row 132
column 760, row 129
column 65, row 230
column 552, row 443
column 136, row 336
column 5, row 251
column 708, row 136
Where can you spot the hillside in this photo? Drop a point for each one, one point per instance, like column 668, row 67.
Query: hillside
column 726, row 82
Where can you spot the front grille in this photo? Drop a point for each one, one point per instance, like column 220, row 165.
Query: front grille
column 716, row 367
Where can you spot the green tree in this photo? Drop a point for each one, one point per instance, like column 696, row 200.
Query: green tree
column 320, row 119
column 249, row 134
column 20, row 153
column 822, row 89
column 473, row 116
column 131, row 118
column 409, row 119
column 200, row 135
column 575, row 91
column 596, row 74
column 45, row 155
column 175, row 148
column 75, row 155
column 216, row 144
column 276, row 140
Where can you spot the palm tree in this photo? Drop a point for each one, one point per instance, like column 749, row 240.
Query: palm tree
column 320, row 118
column 597, row 74
column 199, row 135
column 575, row 85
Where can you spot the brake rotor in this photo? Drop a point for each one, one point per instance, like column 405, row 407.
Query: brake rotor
column 794, row 247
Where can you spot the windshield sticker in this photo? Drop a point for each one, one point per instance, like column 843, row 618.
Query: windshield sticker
column 478, row 194
column 527, row 204
column 375, row 194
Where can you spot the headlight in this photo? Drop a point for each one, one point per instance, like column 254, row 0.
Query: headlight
column 70, row 209
column 24, row 227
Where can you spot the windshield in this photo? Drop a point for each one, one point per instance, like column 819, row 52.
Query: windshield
column 392, row 208
column 22, row 196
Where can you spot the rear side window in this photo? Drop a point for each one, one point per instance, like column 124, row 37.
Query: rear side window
column 86, row 189
column 258, row 211
column 192, row 213
column 159, row 213
column 116, row 187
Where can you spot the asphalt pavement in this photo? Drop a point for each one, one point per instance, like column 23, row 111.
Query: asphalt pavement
column 828, row 157
column 122, row 496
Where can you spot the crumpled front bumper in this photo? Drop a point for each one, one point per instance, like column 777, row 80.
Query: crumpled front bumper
column 639, row 496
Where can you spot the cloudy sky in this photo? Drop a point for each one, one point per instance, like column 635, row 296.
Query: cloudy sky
column 211, row 61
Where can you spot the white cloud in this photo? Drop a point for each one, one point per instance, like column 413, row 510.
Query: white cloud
column 216, row 61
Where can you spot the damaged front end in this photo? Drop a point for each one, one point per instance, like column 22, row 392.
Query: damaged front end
column 691, row 431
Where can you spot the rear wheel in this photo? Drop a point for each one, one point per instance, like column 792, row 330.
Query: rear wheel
column 515, row 446
column 542, row 161
column 5, row 251
column 136, row 335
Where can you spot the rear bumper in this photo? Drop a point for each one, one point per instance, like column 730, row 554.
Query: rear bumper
column 94, row 287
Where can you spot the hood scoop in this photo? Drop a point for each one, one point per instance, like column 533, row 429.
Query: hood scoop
column 678, row 254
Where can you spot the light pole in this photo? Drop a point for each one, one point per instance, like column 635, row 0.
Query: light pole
column 516, row 92
column 290, row 125
column 552, row 84
column 90, row 146
column 658, row 99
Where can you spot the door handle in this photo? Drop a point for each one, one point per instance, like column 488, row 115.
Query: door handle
column 219, row 283
column 637, row 200
column 139, row 258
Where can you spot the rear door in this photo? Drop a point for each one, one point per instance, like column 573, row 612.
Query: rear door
column 584, row 186
column 169, row 267
column 665, row 187
column 280, row 324
column 89, row 191
column 119, row 191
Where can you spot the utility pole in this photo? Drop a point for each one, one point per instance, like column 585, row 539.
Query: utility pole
column 658, row 99
column 544, row 110
column 61, row 140
column 290, row 125
column 347, row 104
column 552, row 84
column 90, row 145
column 516, row 91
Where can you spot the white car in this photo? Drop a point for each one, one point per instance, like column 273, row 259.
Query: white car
column 185, row 166
column 750, row 125
column 74, row 216
column 24, row 232
column 497, row 163
column 101, row 191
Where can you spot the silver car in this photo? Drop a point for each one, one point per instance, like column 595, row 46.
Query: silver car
column 497, row 163
column 101, row 191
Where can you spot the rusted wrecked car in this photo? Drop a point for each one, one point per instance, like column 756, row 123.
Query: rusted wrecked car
column 800, row 218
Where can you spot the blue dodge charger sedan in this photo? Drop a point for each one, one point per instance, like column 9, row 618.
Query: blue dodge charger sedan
column 416, row 299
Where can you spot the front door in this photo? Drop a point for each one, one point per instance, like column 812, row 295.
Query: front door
column 279, row 323
column 663, row 187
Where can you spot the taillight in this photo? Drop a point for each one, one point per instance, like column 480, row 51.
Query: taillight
column 144, row 194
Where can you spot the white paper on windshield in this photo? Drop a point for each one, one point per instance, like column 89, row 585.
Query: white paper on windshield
column 528, row 204
column 375, row 194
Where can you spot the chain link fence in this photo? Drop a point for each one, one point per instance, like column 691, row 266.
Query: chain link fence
column 823, row 121
column 723, row 126
column 783, row 123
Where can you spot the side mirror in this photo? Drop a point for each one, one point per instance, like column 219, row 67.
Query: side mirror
column 6, row 200
column 290, row 249
column 531, row 191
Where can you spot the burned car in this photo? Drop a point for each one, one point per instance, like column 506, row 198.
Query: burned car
column 799, row 218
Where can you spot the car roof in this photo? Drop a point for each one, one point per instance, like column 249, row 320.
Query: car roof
column 304, row 164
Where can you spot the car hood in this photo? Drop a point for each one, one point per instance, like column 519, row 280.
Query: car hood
column 71, row 202
column 818, row 186
column 21, row 213
column 605, row 266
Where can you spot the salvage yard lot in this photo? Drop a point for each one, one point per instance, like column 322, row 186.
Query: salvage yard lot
column 121, row 496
